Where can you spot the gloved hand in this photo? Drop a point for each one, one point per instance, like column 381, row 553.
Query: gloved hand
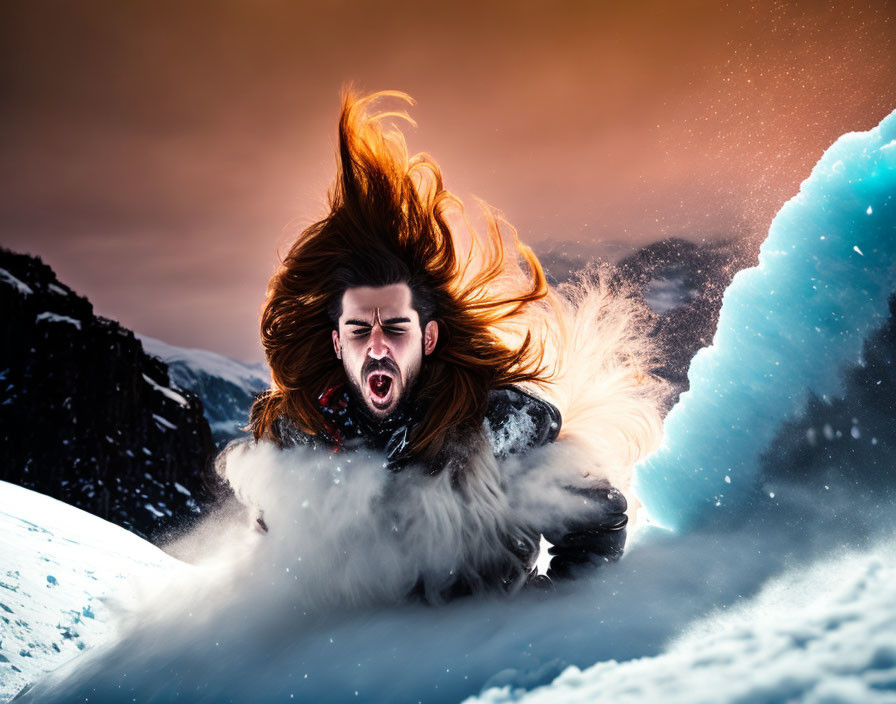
column 590, row 542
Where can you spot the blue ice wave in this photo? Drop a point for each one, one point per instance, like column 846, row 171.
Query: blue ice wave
column 787, row 327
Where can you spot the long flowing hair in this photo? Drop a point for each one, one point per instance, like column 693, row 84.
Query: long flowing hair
column 388, row 207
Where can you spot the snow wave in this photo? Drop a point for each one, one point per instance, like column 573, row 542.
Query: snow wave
column 787, row 327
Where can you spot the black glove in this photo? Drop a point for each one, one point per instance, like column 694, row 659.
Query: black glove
column 585, row 544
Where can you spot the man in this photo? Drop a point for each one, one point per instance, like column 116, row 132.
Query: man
column 381, row 337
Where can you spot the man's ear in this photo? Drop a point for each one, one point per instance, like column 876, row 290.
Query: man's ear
column 430, row 336
column 336, row 344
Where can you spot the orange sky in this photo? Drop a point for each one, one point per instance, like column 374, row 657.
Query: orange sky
column 157, row 153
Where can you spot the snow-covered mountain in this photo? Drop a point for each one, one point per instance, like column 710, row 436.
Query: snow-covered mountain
column 227, row 387
column 86, row 415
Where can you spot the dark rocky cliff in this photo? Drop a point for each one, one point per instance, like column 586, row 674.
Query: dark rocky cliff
column 227, row 387
column 86, row 416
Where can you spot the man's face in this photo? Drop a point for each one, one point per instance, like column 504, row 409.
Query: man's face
column 381, row 345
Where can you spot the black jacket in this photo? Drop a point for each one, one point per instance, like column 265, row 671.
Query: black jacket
column 575, row 547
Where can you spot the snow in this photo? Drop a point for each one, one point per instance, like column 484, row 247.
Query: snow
column 226, row 387
column 60, row 566
column 513, row 433
column 11, row 280
column 164, row 422
column 771, row 351
column 57, row 318
column 154, row 511
column 165, row 391
column 58, row 290
column 708, row 616
column 823, row 635
column 544, row 557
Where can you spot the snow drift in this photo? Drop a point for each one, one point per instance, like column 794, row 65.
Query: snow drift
column 827, row 634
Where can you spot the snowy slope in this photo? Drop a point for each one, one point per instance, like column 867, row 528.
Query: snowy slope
column 60, row 565
column 226, row 386
column 768, row 612
column 823, row 635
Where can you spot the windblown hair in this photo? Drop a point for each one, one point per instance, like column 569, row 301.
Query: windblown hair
column 389, row 223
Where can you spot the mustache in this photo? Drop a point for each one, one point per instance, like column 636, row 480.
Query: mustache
column 379, row 365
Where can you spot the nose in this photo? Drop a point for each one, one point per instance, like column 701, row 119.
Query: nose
column 378, row 347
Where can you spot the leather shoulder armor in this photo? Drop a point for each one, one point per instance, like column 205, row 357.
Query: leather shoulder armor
column 517, row 421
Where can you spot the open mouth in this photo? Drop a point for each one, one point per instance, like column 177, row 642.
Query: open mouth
column 381, row 387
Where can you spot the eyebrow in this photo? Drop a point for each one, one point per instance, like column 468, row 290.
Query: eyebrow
column 365, row 324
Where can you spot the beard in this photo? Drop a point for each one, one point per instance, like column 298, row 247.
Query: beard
column 359, row 398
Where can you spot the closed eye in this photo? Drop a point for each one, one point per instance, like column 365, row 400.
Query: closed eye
column 389, row 330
